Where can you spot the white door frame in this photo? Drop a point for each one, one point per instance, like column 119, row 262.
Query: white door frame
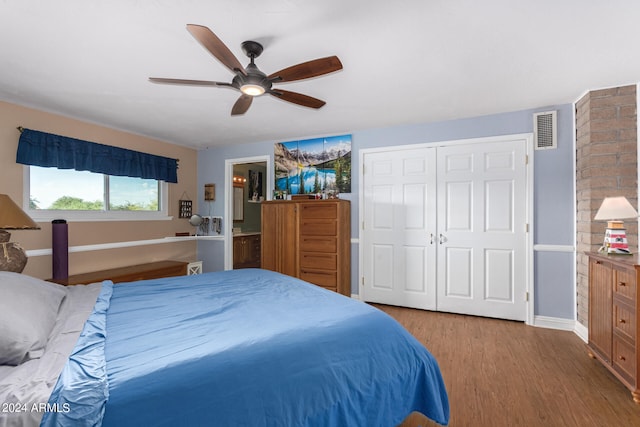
column 528, row 137
column 228, row 199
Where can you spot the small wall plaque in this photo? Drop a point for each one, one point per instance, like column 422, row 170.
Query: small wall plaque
column 186, row 209
column 209, row 192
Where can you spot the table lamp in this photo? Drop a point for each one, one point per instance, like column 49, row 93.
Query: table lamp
column 614, row 210
column 12, row 256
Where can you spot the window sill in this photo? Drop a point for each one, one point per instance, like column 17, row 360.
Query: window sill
column 95, row 216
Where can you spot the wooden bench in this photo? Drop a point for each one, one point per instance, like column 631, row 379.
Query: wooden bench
column 152, row 270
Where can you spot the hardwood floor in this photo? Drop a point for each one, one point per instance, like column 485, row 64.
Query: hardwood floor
column 503, row 373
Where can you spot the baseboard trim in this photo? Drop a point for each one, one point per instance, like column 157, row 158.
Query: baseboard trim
column 550, row 323
column 562, row 324
column 582, row 331
column 554, row 323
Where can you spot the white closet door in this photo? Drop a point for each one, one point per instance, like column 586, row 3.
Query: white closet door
column 399, row 226
column 482, row 230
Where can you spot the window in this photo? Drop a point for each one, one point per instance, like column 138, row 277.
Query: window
column 82, row 195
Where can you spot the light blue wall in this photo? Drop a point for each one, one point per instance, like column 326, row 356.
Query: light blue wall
column 554, row 193
column 553, row 272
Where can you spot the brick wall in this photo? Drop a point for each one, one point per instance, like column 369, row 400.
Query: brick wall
column 606, row 166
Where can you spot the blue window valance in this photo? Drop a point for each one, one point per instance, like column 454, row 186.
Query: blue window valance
column 48, row 150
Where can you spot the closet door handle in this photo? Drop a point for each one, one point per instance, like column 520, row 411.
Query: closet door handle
column 431, row 238
column 442, row 238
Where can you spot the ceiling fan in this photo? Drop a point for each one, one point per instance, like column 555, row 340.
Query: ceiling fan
column 250, row 80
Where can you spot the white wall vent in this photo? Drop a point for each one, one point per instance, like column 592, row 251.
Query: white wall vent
column 544, row 130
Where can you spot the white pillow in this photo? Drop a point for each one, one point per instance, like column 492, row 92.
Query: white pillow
column 28, row 311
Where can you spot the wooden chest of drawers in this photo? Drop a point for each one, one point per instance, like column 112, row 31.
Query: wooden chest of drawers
column 613, row 316
column 309, row 239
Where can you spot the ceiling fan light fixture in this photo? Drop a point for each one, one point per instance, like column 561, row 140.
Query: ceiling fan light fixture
column 249, row 80
column 252, row 89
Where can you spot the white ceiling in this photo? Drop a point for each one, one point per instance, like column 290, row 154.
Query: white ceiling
column 405, row 61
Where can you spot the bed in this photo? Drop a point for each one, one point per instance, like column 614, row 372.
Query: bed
column 244, row 347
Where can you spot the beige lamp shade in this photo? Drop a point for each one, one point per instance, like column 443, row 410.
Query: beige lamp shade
column 14, row 218
column 615, row 208
column 12, row 256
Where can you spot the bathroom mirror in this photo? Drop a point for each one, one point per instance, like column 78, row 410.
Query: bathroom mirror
column 238, row 204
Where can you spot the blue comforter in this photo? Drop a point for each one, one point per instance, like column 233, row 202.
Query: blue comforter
column 243, row 348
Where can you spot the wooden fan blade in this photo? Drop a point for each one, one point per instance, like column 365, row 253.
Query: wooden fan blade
column 242, row 105
column 297, row 98
column 309, row 69
column 187, row 82
column 213, row 44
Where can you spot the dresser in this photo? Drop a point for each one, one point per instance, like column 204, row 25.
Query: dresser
column 309, row 239
column 613, row 316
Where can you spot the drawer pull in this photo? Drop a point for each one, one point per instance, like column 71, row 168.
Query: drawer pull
column 622, row 358
column 598, row 262
column 318, row 272
column 622, row 321
column 622, row 284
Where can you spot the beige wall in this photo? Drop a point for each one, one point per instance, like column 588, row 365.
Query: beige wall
column 93, row 233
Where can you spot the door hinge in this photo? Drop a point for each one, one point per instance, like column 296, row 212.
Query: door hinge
column 526, row 228
column 362, row 280
column 526, row 296
column 363, row 225
column 526, row 159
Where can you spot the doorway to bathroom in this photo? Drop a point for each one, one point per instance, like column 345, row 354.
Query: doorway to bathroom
column 247, row 185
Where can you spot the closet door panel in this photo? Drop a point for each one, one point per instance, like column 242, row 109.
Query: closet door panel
column 398, row 240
